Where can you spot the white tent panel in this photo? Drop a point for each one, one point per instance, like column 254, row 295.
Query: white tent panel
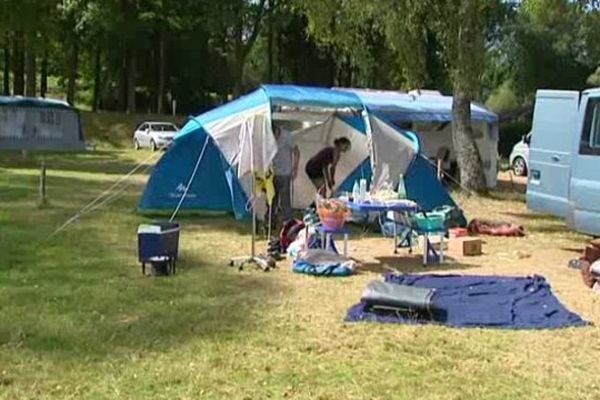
column 392, row 153
column 246, row 139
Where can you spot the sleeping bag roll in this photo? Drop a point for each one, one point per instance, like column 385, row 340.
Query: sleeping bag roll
column 396, row 296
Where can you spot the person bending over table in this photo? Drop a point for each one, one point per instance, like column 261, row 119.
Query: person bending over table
column 321, row 167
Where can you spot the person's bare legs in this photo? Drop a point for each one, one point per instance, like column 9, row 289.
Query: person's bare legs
column 319, row 184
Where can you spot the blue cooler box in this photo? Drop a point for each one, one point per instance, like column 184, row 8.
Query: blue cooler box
column 158, row 242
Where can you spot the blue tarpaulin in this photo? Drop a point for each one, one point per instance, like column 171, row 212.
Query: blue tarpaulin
column 480, row 301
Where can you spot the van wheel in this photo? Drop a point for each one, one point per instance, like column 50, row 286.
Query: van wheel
column 153, row 145
column 136, row 144
column 519, row 166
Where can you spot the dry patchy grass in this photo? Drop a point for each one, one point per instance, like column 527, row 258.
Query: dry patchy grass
column 79, row 321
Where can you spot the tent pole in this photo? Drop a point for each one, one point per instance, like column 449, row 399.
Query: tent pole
column 253, row 243
column 262, row 262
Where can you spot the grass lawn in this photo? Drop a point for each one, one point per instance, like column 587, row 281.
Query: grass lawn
column 78, row 320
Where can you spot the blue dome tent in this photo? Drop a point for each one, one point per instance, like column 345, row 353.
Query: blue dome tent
column 212, row 159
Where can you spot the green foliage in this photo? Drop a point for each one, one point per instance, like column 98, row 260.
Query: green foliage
column 510, row 134
column 503, row 98
column 215, row 49
column 552, row 44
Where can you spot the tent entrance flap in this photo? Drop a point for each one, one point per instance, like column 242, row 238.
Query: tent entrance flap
column 313, row 139
column 392, row 153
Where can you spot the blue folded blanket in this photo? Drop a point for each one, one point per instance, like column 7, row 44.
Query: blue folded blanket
column 479, row 301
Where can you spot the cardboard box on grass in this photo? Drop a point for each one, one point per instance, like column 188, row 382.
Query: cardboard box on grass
column 465, row 246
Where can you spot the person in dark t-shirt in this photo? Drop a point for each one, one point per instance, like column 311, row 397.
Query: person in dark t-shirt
column 321, row 167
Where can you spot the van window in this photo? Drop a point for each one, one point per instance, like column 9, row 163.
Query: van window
column 590, row 137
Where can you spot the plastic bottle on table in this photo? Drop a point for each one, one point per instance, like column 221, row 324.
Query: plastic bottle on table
column 401, row 187
column 355, row 192
column 363, row 190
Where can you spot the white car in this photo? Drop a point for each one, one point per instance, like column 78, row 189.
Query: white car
column 519, row 156
column 154, row 135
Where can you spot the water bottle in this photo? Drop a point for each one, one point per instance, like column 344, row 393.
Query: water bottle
column 401, row 187
column 363, row 190
column 355, row 192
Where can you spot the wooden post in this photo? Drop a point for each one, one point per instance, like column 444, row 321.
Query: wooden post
column 42, row 186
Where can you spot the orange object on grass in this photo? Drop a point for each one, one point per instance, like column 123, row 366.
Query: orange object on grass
column 332, row 213
column 459, row 232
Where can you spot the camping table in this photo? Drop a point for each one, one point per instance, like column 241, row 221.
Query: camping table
column 327, row 233
column 378, row 206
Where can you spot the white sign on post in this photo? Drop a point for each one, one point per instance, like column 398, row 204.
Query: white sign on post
column 37, row 124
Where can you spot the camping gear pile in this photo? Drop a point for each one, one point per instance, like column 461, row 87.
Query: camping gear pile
column 464, row 301
column 589, row 263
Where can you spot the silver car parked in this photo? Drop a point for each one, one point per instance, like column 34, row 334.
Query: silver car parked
column 154, row 135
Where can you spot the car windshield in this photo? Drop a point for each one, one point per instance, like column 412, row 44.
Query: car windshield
column 164, row 128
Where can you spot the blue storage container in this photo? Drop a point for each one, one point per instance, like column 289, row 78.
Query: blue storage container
column 430, row 222
column 158, row 244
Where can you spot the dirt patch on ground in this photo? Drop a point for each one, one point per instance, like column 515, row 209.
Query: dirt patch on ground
column 545, row 250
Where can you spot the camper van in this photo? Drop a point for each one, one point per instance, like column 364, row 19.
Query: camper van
column 564, row 158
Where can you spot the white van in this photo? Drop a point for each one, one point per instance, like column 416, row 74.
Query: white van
column 564, row 158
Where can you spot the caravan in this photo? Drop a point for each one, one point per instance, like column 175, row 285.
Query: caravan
column 564, row 176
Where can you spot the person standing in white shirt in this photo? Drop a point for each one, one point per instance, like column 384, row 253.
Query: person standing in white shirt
column 285, row 168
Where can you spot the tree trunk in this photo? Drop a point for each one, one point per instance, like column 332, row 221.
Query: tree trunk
column 238, row 70
column 97, row 77
column 44, row 75
column 467, row 154
column 18, row 65
column 6, row 83
column 30, row 68
column 162, row 67
column 279, row 59
column 123, row 82
column 72, row 72
column 131, row 74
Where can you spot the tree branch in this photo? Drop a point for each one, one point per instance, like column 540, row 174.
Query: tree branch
column 260, row 14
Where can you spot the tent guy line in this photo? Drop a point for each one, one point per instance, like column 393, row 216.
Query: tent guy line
column 96, row 203
column 187, row 187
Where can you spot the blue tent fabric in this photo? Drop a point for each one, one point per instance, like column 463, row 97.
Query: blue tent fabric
column 217, row 187
column 480, row 301
column 423, row 187
column 308, row 96
column 172, row 173
column 397, row 107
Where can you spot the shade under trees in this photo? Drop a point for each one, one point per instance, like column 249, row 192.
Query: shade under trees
column 140, row 56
